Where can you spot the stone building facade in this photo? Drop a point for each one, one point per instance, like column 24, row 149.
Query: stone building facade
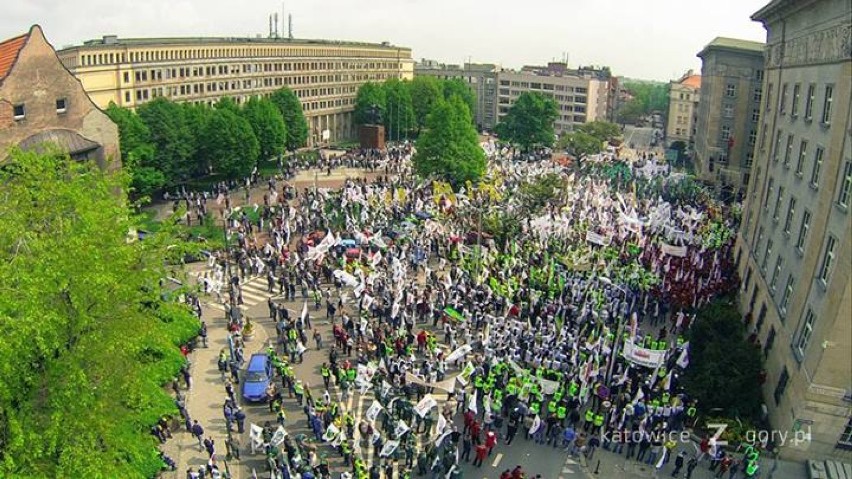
column 684, row 95
column 42, row 102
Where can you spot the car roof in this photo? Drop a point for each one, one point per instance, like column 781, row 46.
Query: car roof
column 257, row 362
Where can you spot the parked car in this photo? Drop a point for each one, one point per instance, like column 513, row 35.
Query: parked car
column 257, row 378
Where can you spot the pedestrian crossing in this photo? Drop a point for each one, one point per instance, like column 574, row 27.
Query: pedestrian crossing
column 254, row 292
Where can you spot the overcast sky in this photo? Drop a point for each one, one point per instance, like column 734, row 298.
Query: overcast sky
column 652, row 39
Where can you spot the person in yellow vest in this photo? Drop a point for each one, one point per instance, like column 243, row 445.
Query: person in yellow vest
column 589, row 419
column 299, row 389
column 326, row 375
column 561, row 414
column 599, row 420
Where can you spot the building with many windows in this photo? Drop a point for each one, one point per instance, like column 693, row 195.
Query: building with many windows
column 683, row 106
column 41, row 103
column 729, row 111
column 794, row 249
column 581, row 95
column 482, row 78
column 325, row 75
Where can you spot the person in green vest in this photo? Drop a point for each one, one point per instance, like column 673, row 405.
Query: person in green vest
column 662, row 345
column 589, row 419
column 535, row 406
column 573, row 389
column 561, row 413
column 350, row 375
column 599, row 420
column 551, row 406
column 299, row 389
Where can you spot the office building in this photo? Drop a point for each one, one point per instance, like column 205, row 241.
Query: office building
column 42, row 105
column 482, row 78
column 683, row 108
column 794, row 249
column 581, row 95
column 729, row 111
column 325, row 75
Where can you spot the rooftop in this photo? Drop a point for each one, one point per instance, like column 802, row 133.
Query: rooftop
column 726, row 43
column 9, row 50
column 693, row 81
column 113, row 41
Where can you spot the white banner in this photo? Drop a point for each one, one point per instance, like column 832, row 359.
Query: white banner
column 598, row 239
column 374, row 410
column 389, row 448
column 256, row 435
column 445, row 385
column 331, row 433
column 425, row 405
column 459, row 353
column 671, row 250
column 401, row 428
column 442, row 424
column 279, row 436
column 345, row 278
column 651, row 358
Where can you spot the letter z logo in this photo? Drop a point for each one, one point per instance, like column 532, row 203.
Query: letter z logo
column 720, row 429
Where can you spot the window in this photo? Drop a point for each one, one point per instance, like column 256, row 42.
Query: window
column 761, row 317
column 778, row 199
column 728, row 110
column 782, row 99
column 809, row 102
column 755, row 115
column 770, row 341
column 845, row 441
column 794, row 102
column 827, row 260
column 768, row 105
column 800, row 163
column 777, row 153
column 19, row 111
column 782, row 386
column 776, row 273
column 752, row 138
column 789, row 152
column 759, row 239
column 803, row 231
column 788, row 293
column 817, row 168
column 731, row 90
column 127, row 97
column 126, row 77
column 726, row 132
column 845, row 185
column 826, row 104
column 805, row 334
column 768, row 194
column 758, row 93
column 766, row 254
column 758, row 76
column 791, row 211
column 60, row 105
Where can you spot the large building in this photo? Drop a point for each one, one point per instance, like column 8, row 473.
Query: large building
column 729, row 111
column 42, row 104
column 582, row 95
column 325, row 75
column 482, row 78
column 683, row 107
column 794, row 250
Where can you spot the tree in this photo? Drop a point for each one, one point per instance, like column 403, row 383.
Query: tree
column 231, row 146
column 137, row 151
column 88, row 340
column 196, row 117
column 268, row 126
column 294, row 118
column 459, row 87
column 425, row 91
column 173, row 141
column 227, row 103
column 649, row 96
column 399, row 112
column 540, row 192
column 529, row 121
column 630, row 112
column 724, row 368
column 580, row 143
column 602, row 130
column 449, row 147
column 369, row 95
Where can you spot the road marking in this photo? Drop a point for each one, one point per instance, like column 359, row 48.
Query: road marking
column 497, row 460
column 571, row 461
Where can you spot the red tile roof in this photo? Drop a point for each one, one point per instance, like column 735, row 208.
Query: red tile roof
column 9, row 53
column 693, row 80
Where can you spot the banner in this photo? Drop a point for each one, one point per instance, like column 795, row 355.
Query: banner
column 547, row 386
column 442, row 425
column 671, row 250
column 651, row 358
column 331, row 433
column 401, row 428
column 279, row 436
column 464, row 376
column 373, row 412
column 597, row 239
column 445, row 385
column 441, row 438
column 256, row 436
column 425, row 405
column 345, row 278
column 459, row 353
column 389, row 448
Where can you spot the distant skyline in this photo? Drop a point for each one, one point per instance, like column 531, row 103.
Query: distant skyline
column 653, row 40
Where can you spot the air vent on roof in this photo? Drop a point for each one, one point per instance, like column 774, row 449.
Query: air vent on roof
column 110, row 39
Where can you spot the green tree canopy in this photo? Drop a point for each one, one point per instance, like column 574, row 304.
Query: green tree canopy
column 723, row 366
column 399, row 111
column 231, row 146
column 460, row 88
column 173, row 140
column 137, row 151
column 602, row 130
column 529, row 121
column 369, row 94
column 294, row 118
column 268, row 126
column 88, row 340
column 425, row 91
column 580, row 143
column 648, row 96
column 227, row 103
column 196, row 118
column 449, row 147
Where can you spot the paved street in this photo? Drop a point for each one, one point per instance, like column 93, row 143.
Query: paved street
column 639, row 137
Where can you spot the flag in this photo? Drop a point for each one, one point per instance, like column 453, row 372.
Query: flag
column 453, row 314
column 683, row 359
column 471, row 404
column 442, row 424
column 536, row 425
column 667, row 382
column 304, row 314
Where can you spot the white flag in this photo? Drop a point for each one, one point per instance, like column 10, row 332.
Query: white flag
column 331, row 433
column 425, row 405
column 442, row 424
column 471, row 404
column 389, row 448
column 304, row 314
column 535, row 425
column 401, row 428
column 279, row 436
column 683, row 359
column 374, row 410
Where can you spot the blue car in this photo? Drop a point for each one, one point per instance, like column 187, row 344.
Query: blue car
column 257, row 378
